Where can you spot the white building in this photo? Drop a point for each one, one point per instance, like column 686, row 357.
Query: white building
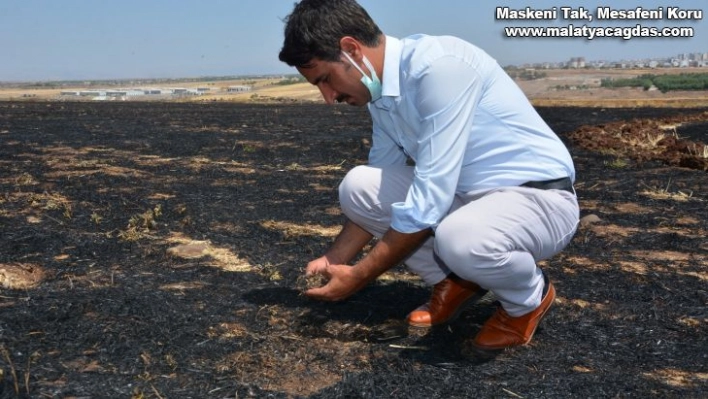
column 577, row 62
column 238, row 89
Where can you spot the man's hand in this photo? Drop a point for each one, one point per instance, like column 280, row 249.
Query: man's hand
column 343, row 282
column 317, row 266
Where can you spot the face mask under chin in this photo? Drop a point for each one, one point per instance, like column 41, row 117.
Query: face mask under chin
column 373, row 83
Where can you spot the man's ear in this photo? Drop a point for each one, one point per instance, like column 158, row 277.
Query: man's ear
column 351, row 46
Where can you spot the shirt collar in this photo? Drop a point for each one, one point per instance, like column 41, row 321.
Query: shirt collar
column 391, row 70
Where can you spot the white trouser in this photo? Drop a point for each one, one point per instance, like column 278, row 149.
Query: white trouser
column 493, row 238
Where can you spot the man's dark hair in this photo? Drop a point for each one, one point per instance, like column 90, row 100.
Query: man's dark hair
column 314, row 28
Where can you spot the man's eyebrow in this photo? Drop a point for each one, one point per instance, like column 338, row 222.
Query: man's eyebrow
column 318, row 80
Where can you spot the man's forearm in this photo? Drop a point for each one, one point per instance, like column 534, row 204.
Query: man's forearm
column 350, row 241
column 391, row 250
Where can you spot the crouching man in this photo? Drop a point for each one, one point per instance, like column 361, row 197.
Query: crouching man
column 491, row 190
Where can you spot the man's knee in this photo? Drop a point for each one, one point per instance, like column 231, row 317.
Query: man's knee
column 461, row 247
column 355, row 188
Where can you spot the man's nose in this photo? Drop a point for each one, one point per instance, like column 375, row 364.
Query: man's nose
column 329, row 94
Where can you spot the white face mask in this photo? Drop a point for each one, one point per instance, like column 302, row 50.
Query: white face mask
column 372, row 83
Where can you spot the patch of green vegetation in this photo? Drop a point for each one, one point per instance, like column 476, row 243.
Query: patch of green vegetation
column 617, row 163
column 525, row 74
column 665, row 83
column 571, row 87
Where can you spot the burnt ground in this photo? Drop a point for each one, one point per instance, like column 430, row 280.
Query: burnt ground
column 152, row 250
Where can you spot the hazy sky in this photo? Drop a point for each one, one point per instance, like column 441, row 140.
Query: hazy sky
column 101, row 39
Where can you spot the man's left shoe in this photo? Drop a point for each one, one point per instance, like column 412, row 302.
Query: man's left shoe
column 449, row 298
column 502, row 331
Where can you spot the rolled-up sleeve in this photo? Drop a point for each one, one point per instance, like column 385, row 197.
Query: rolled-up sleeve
column 447, row 93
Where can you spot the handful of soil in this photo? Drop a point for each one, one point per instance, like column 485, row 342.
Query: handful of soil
column 305, row 282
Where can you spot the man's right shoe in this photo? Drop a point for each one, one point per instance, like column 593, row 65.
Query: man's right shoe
column 502, row 331
column 449, row 298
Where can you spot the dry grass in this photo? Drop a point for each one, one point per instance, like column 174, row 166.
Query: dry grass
column 542, row 92
column 599, row 102
column 222, row 258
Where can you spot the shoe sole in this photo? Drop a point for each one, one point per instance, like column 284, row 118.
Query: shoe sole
column 466, row 303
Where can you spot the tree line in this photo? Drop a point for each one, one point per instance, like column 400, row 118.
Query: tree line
column 524, row 74
column 664, row 83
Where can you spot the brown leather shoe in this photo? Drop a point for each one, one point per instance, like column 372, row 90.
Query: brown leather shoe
column 503, row 331
column 449, row 298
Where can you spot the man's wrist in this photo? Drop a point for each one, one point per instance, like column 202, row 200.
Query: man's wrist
column 363, row 273
column 332, row 259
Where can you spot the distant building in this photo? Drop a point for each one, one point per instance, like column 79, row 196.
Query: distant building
column 683, row 60
column 134, row 93
column 92, row 93
column 576, row 62
column 238, row 89
column 116, row 93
